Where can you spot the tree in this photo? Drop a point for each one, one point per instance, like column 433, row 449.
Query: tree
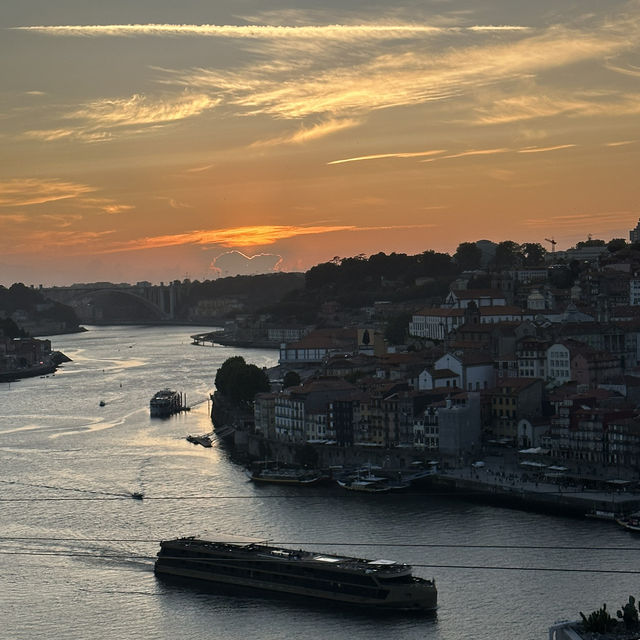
column 590, row 242
column 397, row 329
column 291, row 379
column 468, row 256
column 616, row 244
column 507, row 254
column 10, row 329
column 533, row 254
column 240, row 381
column 227, row 372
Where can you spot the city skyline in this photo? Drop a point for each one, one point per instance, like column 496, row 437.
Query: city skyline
column 154, row 141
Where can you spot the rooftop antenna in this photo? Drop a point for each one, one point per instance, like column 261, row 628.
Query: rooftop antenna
column 553, row 244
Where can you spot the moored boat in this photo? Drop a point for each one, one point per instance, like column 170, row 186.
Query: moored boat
column 204, row 440
column 365, row 486
column 630, row 523
column 285, row 476
column 383, row 584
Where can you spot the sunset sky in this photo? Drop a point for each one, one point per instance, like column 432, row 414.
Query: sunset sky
column 156, row 140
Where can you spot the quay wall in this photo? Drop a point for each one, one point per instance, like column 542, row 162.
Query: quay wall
column 551, row 498
column 461, row 482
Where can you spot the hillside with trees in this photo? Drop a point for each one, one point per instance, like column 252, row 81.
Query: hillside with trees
column 35, row 314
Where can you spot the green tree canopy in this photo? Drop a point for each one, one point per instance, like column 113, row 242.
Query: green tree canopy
column 590, row 242
column 533, row 254
column 240, row 381
column 616, row 244
column 397, row 329
column 507, row 254
column 468, row 256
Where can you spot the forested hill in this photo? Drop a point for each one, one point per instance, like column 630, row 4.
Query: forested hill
column 256, row 291
column 33, row 313
column 359, row 281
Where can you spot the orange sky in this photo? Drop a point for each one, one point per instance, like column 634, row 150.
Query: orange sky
column 143, row 142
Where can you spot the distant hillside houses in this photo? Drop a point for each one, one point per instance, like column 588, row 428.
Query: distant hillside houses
column 545, row 358
column 21, row 357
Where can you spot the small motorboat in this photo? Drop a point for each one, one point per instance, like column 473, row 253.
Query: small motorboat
column 203, row 440
column 630, row 523
column 102, row 403
column 137, row 495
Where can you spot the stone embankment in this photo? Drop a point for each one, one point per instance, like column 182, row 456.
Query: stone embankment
column 498, row 481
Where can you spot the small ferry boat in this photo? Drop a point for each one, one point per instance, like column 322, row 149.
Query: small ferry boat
column 383, row 584
column 364, row 485
column 365, row 481
column 165, row 403
column 203, row 440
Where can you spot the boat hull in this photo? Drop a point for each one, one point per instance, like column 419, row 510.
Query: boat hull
column 282, row 477
column 382, row 584
column 412, row 600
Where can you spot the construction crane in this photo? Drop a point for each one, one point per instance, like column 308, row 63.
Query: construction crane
column 553, row 244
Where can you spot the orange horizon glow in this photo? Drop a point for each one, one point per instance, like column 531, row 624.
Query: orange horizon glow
column 143, row 151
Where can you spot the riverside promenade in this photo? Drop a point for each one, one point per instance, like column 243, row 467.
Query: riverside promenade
column 503, row 480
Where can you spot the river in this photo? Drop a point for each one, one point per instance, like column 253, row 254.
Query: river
column 76, row 551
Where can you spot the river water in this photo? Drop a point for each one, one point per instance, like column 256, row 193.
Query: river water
column 76, row 551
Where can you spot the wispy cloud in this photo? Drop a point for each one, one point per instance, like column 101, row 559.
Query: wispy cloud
column 351, row 84
column 473, row 152
column 100, row 120
column 620, row 143
column 250, row 236
column 256, row 31
column 436, row 155
column 175, row 204
column 383, row 156
column 240, row 237
column 140, row 109
column 600, row 219
column 27, row 192
column 543, row 149
column 21, row 192
column 530, row 106
column 314, row 132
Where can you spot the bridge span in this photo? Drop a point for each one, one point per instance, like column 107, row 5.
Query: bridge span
column 105, row 302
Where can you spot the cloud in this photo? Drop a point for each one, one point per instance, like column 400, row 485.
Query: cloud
column 100, row 120
column 51, row 241
column 543, row 149
column 116, row 208
column 235, row 263
column 620, row 143
column 472, row 152
column 382, row 156
column 256, row 31
column 241, row 237
column 601, row 219
column 318, row 78
column 140, row 109
column 436, row 153
column 249, row 236
column 21, row 192
column 529, row 106
column 305, row 134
